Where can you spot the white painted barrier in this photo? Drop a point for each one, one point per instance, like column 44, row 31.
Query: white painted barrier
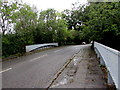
column 110, row 58
column 33, row 47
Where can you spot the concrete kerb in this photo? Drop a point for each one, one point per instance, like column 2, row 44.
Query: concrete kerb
column 60, row 71
column 79, row 76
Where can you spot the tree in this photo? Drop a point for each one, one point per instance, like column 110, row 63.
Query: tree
column 26, row 21
column 51, row 28
column 101, row 23
column 7, row 10
column 74, row 17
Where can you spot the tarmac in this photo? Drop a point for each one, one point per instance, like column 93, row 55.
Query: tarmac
column 82, row 72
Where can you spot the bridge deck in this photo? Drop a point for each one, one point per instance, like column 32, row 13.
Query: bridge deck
column 86, row 73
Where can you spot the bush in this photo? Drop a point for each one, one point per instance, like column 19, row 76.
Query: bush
column 11, row 44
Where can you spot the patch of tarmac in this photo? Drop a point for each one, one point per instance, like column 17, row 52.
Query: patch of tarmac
column 82, row 72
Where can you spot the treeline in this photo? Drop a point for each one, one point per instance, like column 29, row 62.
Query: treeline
column 23, row 25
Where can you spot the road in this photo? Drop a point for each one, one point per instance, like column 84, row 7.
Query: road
column 36, row 70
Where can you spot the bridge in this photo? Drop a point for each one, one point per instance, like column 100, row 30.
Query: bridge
column 74, row 66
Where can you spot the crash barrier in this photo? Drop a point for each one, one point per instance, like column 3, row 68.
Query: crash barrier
column 110, row 58
column 39, row 46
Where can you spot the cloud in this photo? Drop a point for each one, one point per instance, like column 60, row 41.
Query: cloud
column 59, row 5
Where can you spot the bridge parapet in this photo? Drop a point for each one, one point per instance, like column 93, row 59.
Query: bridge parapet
column 111, row 59
column 37, row 46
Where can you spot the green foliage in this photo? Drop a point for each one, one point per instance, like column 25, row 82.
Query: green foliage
column 7, row 10
column 102, row 23
column 93, row 21
column 24, row 21
column 12, row 44
column 50, row 28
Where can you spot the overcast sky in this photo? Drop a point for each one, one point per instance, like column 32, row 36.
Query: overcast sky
column 58, row 5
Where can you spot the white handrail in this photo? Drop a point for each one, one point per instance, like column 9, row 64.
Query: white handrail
column 110, row 57
column 33, row 47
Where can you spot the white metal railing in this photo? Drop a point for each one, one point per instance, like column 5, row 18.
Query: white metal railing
column 36, row 46
column 110, row 57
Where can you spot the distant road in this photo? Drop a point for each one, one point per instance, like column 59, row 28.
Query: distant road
column 36, row 70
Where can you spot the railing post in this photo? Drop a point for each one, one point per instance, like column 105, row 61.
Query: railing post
column 100, row 57
column 102, row 61
column 97, row 53
column 110, row 80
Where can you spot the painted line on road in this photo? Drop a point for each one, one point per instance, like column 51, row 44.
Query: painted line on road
column 38, row 58
column 5, row 70
column 57, row 50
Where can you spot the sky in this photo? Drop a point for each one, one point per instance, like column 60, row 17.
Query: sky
column 58, row 5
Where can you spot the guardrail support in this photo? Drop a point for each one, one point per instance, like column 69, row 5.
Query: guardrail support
column 102, row 61
column 97, row 53
column 100, row 57
column 110, row 80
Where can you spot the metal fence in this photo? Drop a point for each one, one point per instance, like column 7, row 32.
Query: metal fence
column 110, row 58
column 38, row 46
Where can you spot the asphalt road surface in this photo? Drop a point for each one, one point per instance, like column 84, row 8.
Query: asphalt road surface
column 36, row 70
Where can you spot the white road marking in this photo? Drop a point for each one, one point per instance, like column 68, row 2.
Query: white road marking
column 5, row 70
column 57, row 50
column 38, row 58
